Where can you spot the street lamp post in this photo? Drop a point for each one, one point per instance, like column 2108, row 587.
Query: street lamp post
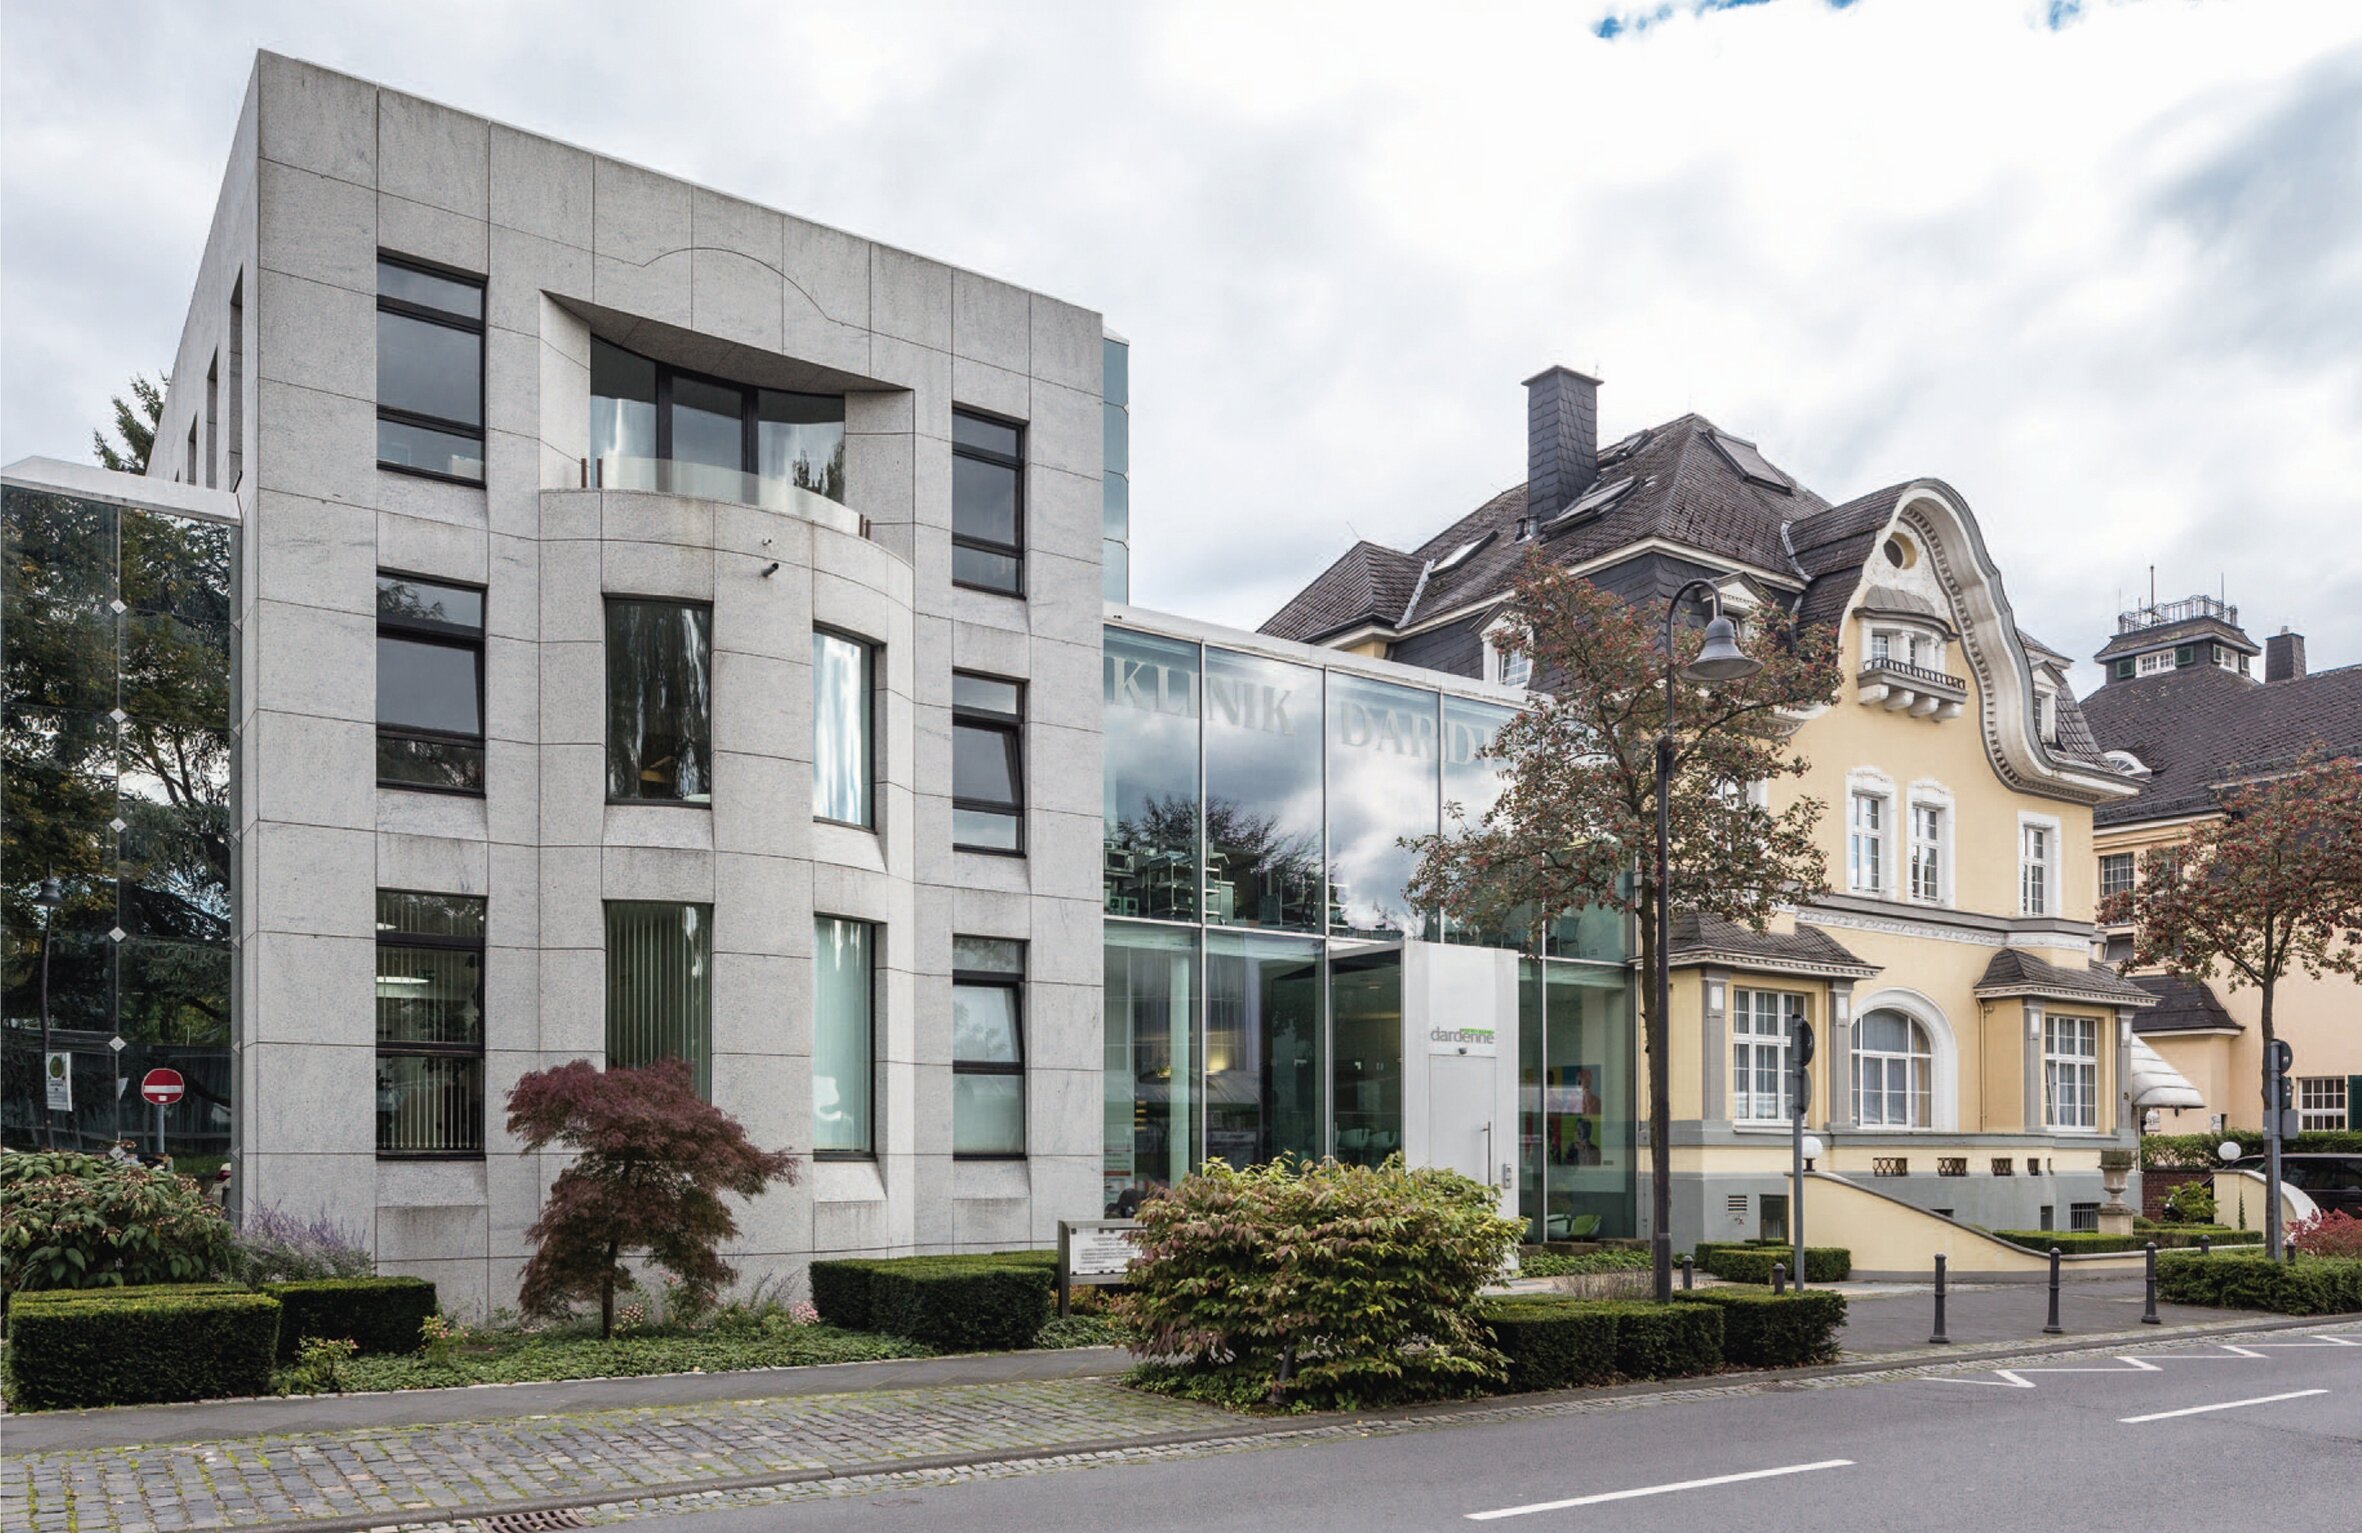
column 1719, row 659
column 49, row 896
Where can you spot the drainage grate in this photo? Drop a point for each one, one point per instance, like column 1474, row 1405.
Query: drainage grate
column 533, row 1522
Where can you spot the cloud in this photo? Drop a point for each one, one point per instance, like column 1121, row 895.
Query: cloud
column 2097, row 271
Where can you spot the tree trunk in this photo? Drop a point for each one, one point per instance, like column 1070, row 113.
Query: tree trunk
column 607, row 1293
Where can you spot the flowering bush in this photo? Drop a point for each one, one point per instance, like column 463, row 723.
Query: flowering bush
column 440, row 1337
column 2328, row 1233
column 274, row 1246
column 802, row 1313
column 82, row 1221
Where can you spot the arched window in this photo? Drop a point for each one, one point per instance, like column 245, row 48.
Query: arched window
column 1893, row 1066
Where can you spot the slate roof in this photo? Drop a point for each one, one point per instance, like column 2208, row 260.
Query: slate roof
column 1685, row 489
column 1706, row 939
column 2199, row 727
column 2183, row 1005
column 1367, row 583
column 2014, row 971
column 1831, row 547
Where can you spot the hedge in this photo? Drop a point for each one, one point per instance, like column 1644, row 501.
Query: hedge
column 991, row 1301
column 1561, row 1343
column 1752, row 1263
column 1765, row 1330
column 840, row 1291
column 2091, row 1242
column 2196, row 1152
column 137, row 1346
column 379, row 1314
column 2309, row 1285
column 1665, row 1341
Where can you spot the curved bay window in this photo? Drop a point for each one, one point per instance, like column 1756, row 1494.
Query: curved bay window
column 659, row 427
column 659, row 701
column 1892, row 1065
column 430, row 1025
column 430, row 685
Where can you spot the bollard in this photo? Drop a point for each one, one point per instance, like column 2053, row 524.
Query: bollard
column 2149, row 1308
column 1688, row 1273
column 1779, row 1277
column 1939, row 1339
column 2206, row 1245
column 2054, row 1328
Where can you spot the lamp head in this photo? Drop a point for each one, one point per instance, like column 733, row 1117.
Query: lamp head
column 51, row 894
column 2228, row 1149
column 1720, row 658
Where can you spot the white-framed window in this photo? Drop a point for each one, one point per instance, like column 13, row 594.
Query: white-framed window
column 2116, row 870
column 1882, row 644
column 2038, row 842
column 1505, row 662
column 1865, row 842
column 2071, row 1072
column 2046, row 716
column 1893, row 1069
column 2321, row 1102
column 1927, row 852
column 2154, row 661
column 1759, row 1053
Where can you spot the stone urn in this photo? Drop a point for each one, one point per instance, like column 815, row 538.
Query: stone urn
column 2115, row 1169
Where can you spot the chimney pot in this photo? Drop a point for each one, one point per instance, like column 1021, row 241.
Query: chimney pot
column 1561, row 440
column 2284, row 656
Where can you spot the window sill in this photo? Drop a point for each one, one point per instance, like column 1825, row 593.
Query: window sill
column 965, row 585
column 408, row 471
column 660, row 803
column 989, row 851
column 421, row 787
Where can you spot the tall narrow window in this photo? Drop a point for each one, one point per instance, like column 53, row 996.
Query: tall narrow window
column 987, row 763
column 213, row 422
column 844, row 1072
column 430, row 685
column 987, row 1048
column 235, row 433
column 659, row 701
column 2034, row 869
column 1892, row 1071
column 1866, row 844
column 987, row 503
column 2071, row 1071
column 430, row 371
column 660, row 986
column 844, row 770
column 1759, row 1053
column 1927, row 853
column 430, row 1025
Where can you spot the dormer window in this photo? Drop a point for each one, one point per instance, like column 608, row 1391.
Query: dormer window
column 2046, row 716
column 1504, row 662
column 1459, row 556
column 2154, row 661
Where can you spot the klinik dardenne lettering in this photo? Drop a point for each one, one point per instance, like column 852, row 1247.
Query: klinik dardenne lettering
column 1148, row 687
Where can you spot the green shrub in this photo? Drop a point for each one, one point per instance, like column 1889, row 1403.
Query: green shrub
column 2190, row 1203
column 961, row 1303
column 1665, row 1341
column 1534, row 1261
column 1336, row 1286
column 2309, row 1285
column 2091, row 1242
column 1763, row 1330
column 1552, row 1343
column 2196, row 1152
column 132, row 1348
column 320, row 1366
column 840, row 1291
column 379, row 1314
column 83, row 1221
column 1752, row 1263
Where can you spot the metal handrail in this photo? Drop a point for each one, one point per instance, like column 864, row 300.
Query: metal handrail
column 2164, row 614
column 1916, row 673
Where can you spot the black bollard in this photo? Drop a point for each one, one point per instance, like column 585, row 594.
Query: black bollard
column 1939, row 1339
column 1688, row 1273
column 2054, row 1328
column 1779, row 1277
column 2206, row 1245
column 2149, row 1309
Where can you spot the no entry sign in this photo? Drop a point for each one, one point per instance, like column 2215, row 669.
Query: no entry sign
column 162, row 1086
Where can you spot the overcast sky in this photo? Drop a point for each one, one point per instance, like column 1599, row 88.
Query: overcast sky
column 2099, row 266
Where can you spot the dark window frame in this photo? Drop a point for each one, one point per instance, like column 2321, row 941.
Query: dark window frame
column 2124, row 669
column 871, row 650
column 750, row 408
column 996, row 980
column 1011, row 725
column 449, row 636
column 480, row 946
column 877, row 930
column 607, row 701
column 430, row 315
column 1013, row 550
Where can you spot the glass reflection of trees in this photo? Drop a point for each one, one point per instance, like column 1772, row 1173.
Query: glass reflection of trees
column 1149, row 702
column 1383, row 787
column 1263, row 793
column 116, row 752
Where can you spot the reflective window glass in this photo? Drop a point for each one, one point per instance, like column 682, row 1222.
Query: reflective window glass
column 660, row 986
column 842, row 771
column 430, row 290
column 987, row 1047
column 987, row 503
column 659, row 701
column 623, row 403
column 430, row 704
column 984, row 500
column 430, row 372
column 1263, row 792
column 1472, row 783
column 1149, row 709
column 430, row 369
column 709, row 423
column 987, row 762
column 1384, row 785
column 1151, row 1075
column 1265, row 1048
column 430, row 1024
column 800, row 440
column 842, row 1063
column 1365, row 1010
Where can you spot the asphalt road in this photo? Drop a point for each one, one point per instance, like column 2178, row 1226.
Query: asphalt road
column 2190, row 1438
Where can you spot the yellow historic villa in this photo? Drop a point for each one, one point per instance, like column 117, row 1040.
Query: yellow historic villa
column 1974, row 1060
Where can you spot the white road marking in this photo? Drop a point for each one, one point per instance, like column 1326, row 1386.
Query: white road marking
column 2227, row 1405
column 1656, row 1490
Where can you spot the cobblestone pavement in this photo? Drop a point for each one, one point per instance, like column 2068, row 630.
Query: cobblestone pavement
column 409, row 1473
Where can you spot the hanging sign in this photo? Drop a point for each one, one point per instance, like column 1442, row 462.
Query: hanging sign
column 60, row 1071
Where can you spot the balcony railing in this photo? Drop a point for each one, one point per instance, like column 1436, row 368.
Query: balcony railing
column 705, row 481
column 2165, row 614
column 1917, row 674
column 1902, row 687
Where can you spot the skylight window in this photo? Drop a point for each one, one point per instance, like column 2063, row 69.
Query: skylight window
column 1624, row 449
column 1597, row 500
column 1459, row 556
column 1751, row 464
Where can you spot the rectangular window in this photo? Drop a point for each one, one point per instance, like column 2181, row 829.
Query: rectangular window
column 987, row 1048
column 236, row 431
column 1927, row 853
column 1759, row 1053
column 213, row 422
column 2124, row 670
column 430, row 371
column 2033, row 870
column 2115, row 874
column 2321, row 1102
column 1882, row 646
column 430, row 685
column 2083, row 1216
column 659, row 701
column 2071, row 1071
column 843, row 1069
column 660, row 986
column 987, row 503
column 2154, row 661
column 844, row 769
column 987, row 763
column 1866, row 844
column 655, row 427
column 2185, row 654
column 430, row 1025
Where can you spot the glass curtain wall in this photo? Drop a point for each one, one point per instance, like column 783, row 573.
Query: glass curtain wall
column 1149, row 705
column 1365, row 1001
column 1384, row 784
column 1152, row 1060
column 1264, row 1047
column 115, row 653
column 1575, row 1100
column 1263, row 793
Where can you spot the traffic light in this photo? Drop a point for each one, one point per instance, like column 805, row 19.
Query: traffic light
column 2280, row 1098
column 1800, row 1058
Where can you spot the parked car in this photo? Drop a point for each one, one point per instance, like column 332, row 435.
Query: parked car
column 2332, row 1181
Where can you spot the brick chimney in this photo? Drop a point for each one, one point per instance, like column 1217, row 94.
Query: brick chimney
column 2284, row 656
column 1561, row 439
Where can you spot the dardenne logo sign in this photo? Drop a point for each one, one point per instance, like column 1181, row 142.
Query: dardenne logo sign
column 1148, row 687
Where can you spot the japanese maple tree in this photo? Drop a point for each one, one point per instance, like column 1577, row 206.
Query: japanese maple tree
column 1575, row 824
column 653, row 1162
column 2270, row 887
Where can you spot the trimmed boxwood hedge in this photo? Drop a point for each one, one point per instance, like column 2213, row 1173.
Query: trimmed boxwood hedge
column 1561, row 1343
column 1752, row 1262
column 1665, row 1341
column 379, row 1314
column 840, row 1291
column 990, row 1301
column 2091, row 1242
column 2309, row 1285
column 1766, row 1330
column 139, row 1345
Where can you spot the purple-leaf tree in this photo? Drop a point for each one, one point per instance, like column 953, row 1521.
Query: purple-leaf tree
column 653, row 1163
